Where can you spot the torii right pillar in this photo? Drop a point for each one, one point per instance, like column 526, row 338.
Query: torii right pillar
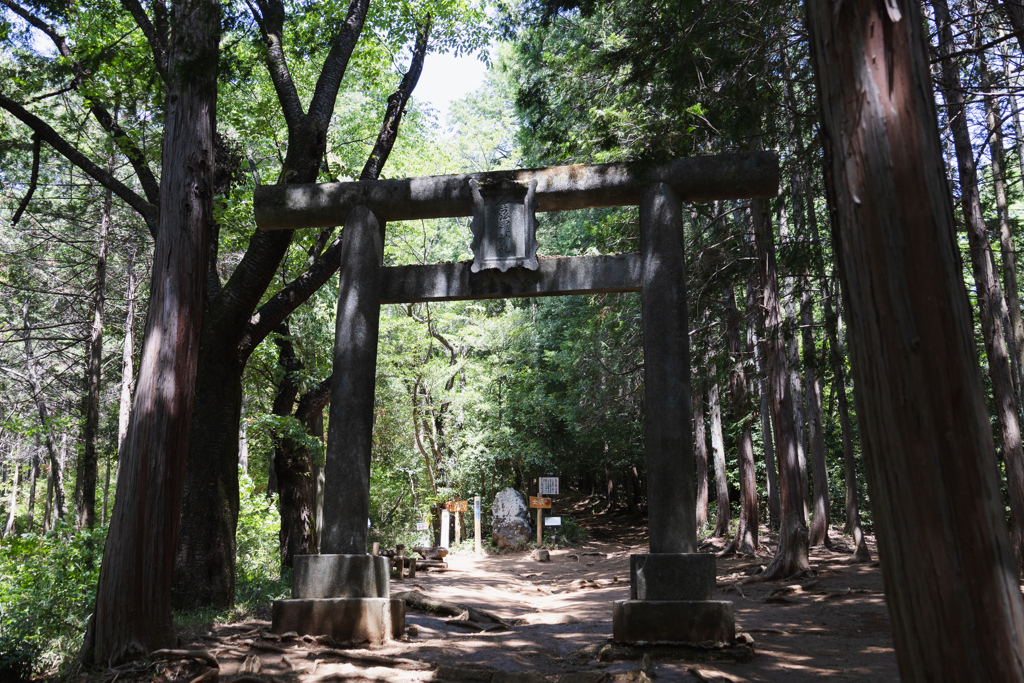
column 672, row 588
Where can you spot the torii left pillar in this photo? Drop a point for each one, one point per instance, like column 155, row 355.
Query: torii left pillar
column 344, row 593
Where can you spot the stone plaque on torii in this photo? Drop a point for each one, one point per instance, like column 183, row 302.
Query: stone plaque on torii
column 344, row 593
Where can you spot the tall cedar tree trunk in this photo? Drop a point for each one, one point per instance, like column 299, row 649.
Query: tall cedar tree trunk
column 299, row 505
column 767, row 434
column 132, row 615
column 718, row 454
column 9, row 527
column 93, row 376
column 34, row 476
column 791, row 553
column 56, row 490
column 746, row 540
column 127, row 369
column 950, row 576
column 204, row 571
column 994, row 121
column 701, row 453
column 796, row 383
column 989, row 296
column 816, row 440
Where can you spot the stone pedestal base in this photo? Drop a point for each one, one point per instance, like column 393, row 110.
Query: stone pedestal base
column 700, row 623
column 341, row 576
column 358, row 620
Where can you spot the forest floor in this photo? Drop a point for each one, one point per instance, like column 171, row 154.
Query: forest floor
column 830, row 625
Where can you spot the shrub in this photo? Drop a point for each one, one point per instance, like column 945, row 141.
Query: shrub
column 47, row 591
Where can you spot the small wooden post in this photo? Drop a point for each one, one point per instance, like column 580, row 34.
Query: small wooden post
column 458, row 528
column 476, row 524
column 540, row 519
column 376, row 548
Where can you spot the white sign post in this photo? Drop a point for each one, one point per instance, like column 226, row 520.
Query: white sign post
column 476, row 523
column 444, row 528
column 549, row 486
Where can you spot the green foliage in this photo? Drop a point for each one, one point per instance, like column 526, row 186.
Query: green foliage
column 47, row 591
column 258, row 575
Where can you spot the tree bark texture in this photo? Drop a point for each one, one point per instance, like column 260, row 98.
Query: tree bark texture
column 791, row 554
column 767, row 440
column 132, row 615
column 94, row 375
column 1008, row 252
column 950, row 576
column 986, row 282
column 746, row 540
column 33, row 478
column 11, row 512
column 816, row 435
column 701, row 454
column 722, row 512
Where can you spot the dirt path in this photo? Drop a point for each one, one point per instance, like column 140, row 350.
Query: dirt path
column 831, row 626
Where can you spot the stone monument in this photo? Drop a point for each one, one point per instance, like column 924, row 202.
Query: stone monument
column 510, row 520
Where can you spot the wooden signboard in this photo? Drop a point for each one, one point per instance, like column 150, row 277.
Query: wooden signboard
column 457, row 505
column 538, row 502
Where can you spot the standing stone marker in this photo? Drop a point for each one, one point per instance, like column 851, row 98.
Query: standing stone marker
column 511, row 518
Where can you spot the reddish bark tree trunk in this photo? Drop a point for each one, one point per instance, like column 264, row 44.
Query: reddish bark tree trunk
column 816, row 435
column 746, row 541
column 791, row 554
column 701, row 453
column 950, row 576
column 987, row 284
column 723, row 513
column 132, row 615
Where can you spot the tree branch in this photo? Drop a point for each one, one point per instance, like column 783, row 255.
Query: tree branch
column 33, row 181
column 127, row 146
column 396, row 106
column 326, row 93
column 156, row 42
column 147, row 210
column 270, row 18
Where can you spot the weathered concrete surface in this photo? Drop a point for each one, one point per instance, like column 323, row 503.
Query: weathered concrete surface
column 341, row 576
column 672, row 576
column 556, row 276
column 359, row 620
column 678, row 622
column 504, row 225
column 668, row 416
column 722, row 176
column 510, row 521
column 350, row 434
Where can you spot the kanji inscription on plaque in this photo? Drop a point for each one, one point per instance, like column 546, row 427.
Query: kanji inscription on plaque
column 504, row 225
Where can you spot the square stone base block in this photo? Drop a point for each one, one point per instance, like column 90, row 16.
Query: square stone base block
column 341, row 576
column 672, row 576
column 702, row 623
column 359, row 620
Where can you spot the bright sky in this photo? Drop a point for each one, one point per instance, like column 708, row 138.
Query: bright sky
column 446, row 78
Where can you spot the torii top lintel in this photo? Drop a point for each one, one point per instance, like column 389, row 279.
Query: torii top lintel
column 559, row 188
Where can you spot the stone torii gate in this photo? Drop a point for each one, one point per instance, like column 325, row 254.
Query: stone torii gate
column 344, row 592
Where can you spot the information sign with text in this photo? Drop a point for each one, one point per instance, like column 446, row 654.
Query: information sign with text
column 549, row 486
column 457, row 505
column 538, row 502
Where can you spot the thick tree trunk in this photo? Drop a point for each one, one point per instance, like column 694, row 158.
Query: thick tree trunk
column 701, row 453
column 796, row 386
column 132, row 615
column 986, row 282
column 816, row 440
column 746, row 541
column 791, row 553
column 93, row 376
column 723, row 514
column 951, row 579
